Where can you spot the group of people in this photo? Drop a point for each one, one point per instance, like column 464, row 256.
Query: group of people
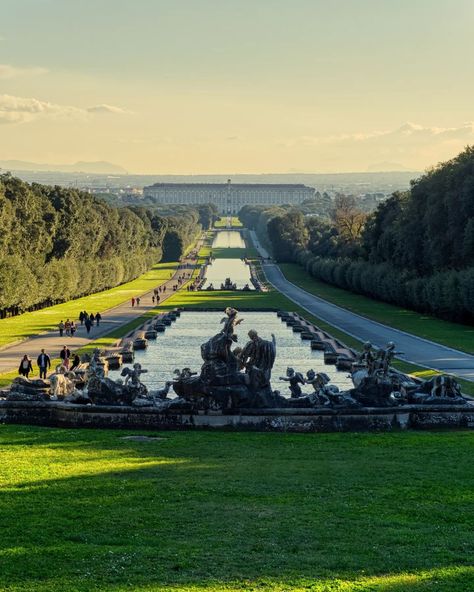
column 88, row 320
column 69, row 327
column 43, row 362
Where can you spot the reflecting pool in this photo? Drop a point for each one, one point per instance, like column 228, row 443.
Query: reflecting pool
column 179, row 347
column 228, row 239
column 235, row 269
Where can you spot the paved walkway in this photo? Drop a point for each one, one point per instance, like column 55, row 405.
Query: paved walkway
column 112, row 319
column 416, row 349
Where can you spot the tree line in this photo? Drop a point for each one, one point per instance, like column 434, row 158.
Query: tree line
column 60, row 243
column 416, row 250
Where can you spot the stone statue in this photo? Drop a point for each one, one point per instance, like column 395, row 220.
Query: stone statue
column 367, row 357
column 258, row 357
column 184, row 373
column 295, row 379
column 62, row 383
column 386, row 357
column 221, row 383
column 133, row 375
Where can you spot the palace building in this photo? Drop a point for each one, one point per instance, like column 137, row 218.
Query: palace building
column 228, row 197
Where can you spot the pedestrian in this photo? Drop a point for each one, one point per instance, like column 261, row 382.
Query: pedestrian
column 133, row 302
column 65, row 355
column 73, row 328
column 61, row 328
column 67, row 327
column 138, row 301
column 98, row 318
column 88, row 325
column 25, row 366
column 92, row 319
column 44, row 362
column 153, row 299
column 157, row 300
column 81, row 317
column 76, row 362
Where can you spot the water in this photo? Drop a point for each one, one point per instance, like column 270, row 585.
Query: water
column 235, row 269
column 228, row 239
column 179, row 347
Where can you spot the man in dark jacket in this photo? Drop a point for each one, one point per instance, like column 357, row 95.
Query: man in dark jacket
column 65, row 354
column 44, row 363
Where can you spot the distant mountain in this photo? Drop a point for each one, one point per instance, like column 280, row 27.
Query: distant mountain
column 383, row 167
column 94, row 168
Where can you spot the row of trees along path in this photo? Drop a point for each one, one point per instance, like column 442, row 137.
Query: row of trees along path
column 415, row 349
column 111, row 319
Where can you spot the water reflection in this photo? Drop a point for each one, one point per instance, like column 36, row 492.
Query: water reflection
column 235, row 269
column 180, row 345
column 228, row 239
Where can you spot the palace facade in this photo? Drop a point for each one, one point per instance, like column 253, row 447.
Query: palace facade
column 228, row 197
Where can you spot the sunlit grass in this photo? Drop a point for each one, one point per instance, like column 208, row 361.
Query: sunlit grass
column 223, row 222
column 31, row 323
column 87, row 510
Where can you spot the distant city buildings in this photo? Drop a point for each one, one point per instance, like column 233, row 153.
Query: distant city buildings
column 228, row 197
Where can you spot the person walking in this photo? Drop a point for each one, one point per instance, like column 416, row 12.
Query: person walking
column 72, row 328
column 25, row 366
column 44, row 363
column 133, row 302
column 88, row 325
column 61, row 328
column 92, row 318
column 153, row 299
column 138, row 301
column 67, row 327
column 65, row 355
column 81, row 317
column 98, row 318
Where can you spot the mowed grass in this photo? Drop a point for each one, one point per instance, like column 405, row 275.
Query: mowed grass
column 86, row 510
column 223, row 222
column 31, row 323
column 453, row 335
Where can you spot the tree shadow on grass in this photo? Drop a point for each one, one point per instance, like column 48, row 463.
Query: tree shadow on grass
column 202, row 510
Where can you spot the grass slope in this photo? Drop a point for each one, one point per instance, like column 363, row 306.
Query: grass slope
column 47, row 319
column 86, row 510
column 451, row 334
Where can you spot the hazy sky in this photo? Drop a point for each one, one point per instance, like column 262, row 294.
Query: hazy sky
column 228, row 86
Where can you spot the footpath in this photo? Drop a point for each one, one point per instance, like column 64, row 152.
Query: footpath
column 112, row 319
column 416, row 350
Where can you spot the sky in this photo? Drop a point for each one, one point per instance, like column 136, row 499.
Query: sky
column 237, row 86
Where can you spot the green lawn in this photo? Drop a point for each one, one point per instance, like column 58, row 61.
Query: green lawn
column 451, row 334
column 86, row 510
column 222, row 222
column 32, row 323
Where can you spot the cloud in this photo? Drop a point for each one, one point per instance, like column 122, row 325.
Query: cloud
column 408, row 132
column 7, row 71
column 22, row 110
column 104, row 108
column 413, row 145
